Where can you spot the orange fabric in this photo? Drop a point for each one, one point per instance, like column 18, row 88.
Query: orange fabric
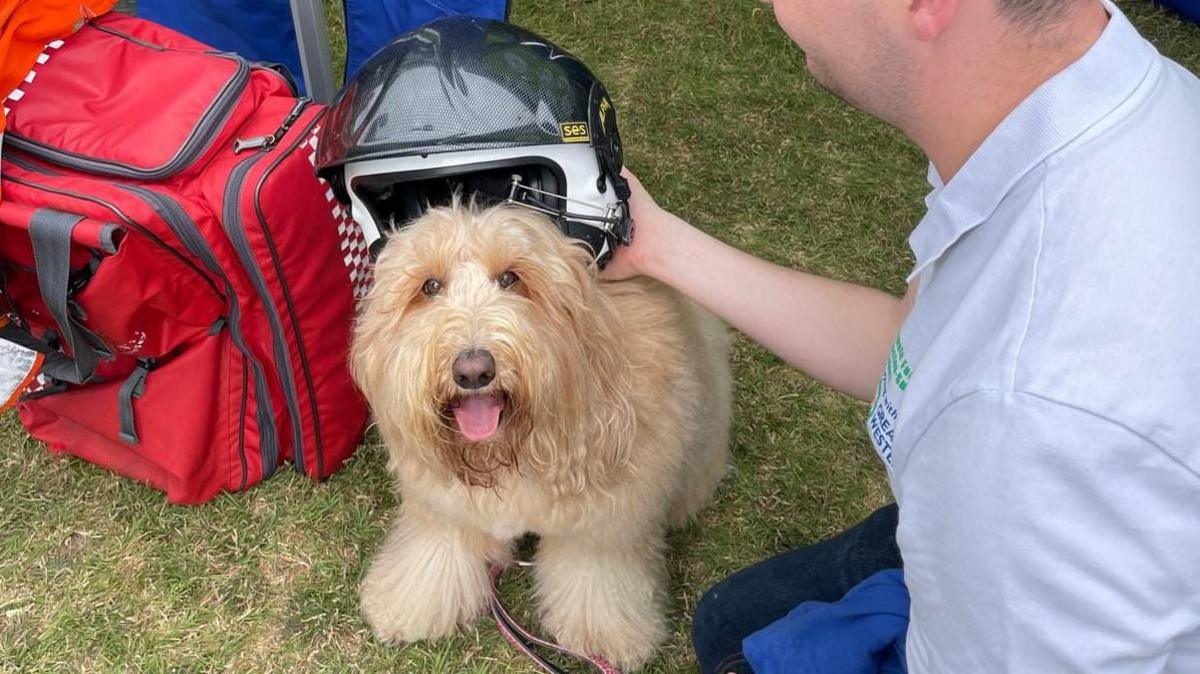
column 25, row 28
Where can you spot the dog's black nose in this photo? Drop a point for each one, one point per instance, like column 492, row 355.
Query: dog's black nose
column 474, row 369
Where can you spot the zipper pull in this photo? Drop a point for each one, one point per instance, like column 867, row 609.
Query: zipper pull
column 268, row 142
column 217, row 326
column 254, row 143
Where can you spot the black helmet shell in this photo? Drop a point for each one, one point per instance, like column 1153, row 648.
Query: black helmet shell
column 465, row 83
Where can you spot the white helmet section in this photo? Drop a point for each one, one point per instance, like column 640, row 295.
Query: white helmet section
column 577, row 163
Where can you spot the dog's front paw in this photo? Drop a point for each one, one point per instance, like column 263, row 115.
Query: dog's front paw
column 595, row 607
column 627, row 640
column 404, row 602
column 426, row 580
column 603, row 598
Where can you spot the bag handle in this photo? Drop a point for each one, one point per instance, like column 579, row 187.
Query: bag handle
column 89, row 233
column 50, row 233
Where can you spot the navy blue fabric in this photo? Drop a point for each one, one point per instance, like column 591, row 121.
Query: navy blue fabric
column 1188, row 8
column 370, row 24
column 861, row 634
column 261, row 30
column 759, row 595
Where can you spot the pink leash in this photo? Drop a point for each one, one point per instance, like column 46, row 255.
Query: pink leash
column 524, row 641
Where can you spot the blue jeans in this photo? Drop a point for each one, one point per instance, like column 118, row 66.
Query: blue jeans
column 757, row 596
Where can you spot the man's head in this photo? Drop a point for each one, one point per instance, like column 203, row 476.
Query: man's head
column 873, row 53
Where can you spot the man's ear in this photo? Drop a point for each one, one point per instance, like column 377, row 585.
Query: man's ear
column 930, row 17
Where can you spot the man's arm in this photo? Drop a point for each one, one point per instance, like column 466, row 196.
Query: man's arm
column 838, row 333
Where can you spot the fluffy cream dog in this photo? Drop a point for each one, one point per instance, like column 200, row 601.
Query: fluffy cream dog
column 516, row 394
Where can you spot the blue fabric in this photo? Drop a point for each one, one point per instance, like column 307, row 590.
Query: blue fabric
column 861, row 634
column 1188, row 8
column 757, row 596
column 261, row 30
column 370, row 24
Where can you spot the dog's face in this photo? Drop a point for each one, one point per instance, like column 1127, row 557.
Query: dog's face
column 472, row 346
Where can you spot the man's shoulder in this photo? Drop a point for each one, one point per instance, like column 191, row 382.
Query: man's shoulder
column 1125, row 191
column 1093, row 280
column 1144, row 154
column 1116, row 277
column 1111, row 325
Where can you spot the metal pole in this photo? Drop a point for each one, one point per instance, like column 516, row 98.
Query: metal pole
column 313, row 43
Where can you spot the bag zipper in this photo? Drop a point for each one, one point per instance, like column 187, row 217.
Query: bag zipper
column 319, row 449
column 268, row 141
column 236, row 231
column 137, row 40
column 183, row 226
column 198, row 141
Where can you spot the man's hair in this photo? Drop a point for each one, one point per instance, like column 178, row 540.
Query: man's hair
column 1033, row 13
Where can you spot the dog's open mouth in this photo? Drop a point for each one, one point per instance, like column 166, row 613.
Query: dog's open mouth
column 478, row 416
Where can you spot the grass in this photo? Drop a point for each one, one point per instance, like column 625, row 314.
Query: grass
column 98, row 574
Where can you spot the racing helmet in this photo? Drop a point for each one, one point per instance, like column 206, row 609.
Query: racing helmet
column 485, row 109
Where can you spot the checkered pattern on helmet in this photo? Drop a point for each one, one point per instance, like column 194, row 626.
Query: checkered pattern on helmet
column 350, row 234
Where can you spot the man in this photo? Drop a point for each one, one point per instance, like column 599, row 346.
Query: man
column 1038, row 411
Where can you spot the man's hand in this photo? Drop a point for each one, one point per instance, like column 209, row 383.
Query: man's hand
column 648, row 218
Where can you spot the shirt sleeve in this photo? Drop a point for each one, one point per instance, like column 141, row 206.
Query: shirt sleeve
column 1038, row 537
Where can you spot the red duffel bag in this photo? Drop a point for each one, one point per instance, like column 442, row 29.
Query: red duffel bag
column 166, row 244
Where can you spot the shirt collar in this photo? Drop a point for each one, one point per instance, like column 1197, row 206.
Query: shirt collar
column 1058, row 111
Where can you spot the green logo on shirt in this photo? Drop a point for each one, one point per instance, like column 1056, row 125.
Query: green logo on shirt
column 897, row 366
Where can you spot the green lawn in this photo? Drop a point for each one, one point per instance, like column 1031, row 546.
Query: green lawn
column 726, row 129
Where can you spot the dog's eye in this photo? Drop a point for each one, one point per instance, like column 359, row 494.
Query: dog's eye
column 431, row 287
column 508, row 279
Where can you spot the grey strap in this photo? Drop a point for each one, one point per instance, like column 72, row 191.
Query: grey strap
column 133, row 387
column 50, row 232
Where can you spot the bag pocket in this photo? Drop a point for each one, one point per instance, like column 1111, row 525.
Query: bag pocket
column 188, row 435
column 163, row 108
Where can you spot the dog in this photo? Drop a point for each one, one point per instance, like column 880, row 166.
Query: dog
column 516, row 393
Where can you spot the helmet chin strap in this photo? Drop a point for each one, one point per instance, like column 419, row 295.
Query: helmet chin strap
column 625, row 232
column 622, row 187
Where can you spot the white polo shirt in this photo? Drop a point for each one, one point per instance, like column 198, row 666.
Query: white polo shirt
column 1040, row 412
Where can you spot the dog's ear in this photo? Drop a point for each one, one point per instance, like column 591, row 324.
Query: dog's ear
column 393, row 291
column 393, row 287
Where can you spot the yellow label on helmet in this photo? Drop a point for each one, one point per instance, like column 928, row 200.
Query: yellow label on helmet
column 605, row 106
column 575, row 132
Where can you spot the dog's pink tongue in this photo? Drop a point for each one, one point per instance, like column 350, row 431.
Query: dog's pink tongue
column 479, row 416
